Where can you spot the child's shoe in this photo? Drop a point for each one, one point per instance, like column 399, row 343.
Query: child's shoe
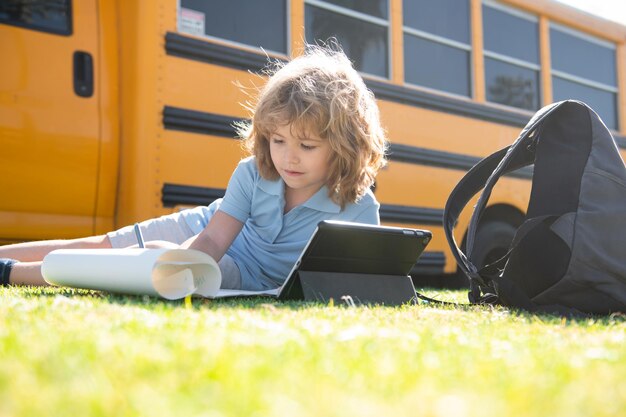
column 5, row 270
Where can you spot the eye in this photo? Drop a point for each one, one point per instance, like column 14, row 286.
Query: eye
column 307, row 147
column 277, row 140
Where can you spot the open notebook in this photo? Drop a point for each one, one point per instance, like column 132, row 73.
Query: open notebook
column 352, row 254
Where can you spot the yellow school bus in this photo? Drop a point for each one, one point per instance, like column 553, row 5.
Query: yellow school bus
column 113, row 111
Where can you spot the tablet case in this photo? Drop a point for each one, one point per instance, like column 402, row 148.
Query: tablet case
column 358, row 263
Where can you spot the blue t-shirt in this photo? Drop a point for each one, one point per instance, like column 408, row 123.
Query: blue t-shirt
column 271, row 241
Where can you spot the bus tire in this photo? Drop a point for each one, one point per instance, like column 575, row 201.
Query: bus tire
column 492, row 242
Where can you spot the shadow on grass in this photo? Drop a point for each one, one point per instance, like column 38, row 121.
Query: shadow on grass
column 152, row 302
column 199, row 303
column 454, row 299
column 438, row 284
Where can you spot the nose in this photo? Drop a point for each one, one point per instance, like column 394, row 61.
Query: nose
column 292, row 155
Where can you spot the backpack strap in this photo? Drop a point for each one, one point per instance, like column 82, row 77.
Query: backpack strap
column 484, row 175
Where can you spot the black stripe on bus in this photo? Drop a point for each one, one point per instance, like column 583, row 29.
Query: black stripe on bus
column 199, row 50
column 409, row 214
column 175, row 118
column 430, row 263
column 431, row 101
column 212, row 53
column 188, row 195
column 417, row 98
column 176, row 194
column 430, row 157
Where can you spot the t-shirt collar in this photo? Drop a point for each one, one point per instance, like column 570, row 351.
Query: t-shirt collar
column 321, row 202
column 318, row 201
column 273, row 187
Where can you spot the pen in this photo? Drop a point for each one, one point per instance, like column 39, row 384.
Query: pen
column 139, row 235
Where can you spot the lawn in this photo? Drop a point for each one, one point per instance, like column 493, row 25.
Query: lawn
column 78, row 353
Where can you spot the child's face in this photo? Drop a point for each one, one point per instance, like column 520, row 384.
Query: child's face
column 302, row 162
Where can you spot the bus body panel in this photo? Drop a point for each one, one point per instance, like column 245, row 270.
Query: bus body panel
column 50, row 135
column 140, row 111
column 108, row 84
column 158, row 134
column 443, row 131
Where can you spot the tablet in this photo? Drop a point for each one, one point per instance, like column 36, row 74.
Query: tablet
column 356, row 259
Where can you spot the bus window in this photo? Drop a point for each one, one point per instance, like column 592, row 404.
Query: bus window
column 511, row 50
column 437, row 45
column 52, row 16
column 257, row 24
column 362, row 29
column 584, row 68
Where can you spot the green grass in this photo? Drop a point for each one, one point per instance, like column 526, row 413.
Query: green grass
column 79, row 353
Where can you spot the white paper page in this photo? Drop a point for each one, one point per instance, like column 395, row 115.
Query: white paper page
column 224, row 293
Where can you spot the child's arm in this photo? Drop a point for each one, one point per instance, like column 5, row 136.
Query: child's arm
column 217, row 236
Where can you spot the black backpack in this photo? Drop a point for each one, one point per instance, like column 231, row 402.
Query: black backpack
column 569, row 254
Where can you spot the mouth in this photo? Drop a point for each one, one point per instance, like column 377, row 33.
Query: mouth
column 292, row 173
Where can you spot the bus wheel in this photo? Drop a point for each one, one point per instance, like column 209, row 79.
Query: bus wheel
column 492, row 242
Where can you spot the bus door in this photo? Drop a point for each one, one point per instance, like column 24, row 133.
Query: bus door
column 49, row 118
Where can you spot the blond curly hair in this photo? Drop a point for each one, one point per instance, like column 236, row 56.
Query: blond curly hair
column 320, row 92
